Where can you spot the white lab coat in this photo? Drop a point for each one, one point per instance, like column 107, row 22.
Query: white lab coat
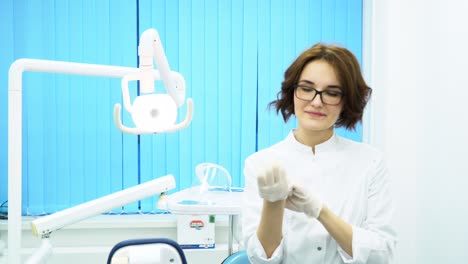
column 350, row 178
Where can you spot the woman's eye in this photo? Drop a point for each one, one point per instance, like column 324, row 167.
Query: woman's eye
column 333, row 94
column 307, row 89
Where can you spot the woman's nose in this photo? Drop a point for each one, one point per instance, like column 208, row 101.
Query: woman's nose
column 317, row 101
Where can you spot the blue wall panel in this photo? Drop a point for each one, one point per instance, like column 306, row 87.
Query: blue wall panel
column 6, row 58
column 124, row 41
column 72, row 151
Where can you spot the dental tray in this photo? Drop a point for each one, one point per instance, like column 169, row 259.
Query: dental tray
column 195, row 201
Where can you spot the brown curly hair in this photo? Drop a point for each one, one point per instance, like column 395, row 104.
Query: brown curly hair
column 355, row 90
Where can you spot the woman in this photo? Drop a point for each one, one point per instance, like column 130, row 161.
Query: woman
column 316, row 197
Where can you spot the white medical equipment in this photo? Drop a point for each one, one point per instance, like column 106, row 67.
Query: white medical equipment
column 214, row 196
column 154, row 113
column 43, row 226
column 150, row 47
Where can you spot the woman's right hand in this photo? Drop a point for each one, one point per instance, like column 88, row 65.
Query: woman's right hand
column 273, row 183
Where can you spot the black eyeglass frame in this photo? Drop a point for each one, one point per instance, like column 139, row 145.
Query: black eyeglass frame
column 317, row 92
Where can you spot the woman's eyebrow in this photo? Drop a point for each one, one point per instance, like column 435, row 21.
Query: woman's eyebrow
column 333, row 86
column 307, row 82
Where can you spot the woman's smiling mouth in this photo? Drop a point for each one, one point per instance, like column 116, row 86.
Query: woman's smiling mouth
column 314, row 114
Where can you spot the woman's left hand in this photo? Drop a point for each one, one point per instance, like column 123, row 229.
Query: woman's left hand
column 300, row 201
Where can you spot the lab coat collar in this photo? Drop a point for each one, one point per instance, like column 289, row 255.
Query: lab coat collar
column 330, row 144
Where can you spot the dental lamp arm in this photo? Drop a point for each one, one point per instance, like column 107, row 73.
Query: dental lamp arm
column 45, row 225
column 147, row 77
column 151, row 47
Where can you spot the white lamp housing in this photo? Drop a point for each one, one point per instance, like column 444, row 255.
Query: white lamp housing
column 151, row 112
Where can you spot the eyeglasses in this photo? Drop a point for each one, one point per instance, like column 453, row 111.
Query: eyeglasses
column 328, row 97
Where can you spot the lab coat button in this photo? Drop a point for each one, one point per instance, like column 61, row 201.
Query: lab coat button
column 319, row 248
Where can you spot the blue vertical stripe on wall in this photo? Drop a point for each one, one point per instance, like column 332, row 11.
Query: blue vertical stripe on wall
column 350, row 36
column 49, row 99
column 231, row 64
column 199, row 89
column 314, row 19
column 340, row 15
column 90, row 53
column 103, row 107
column 265, row 61
column 227, row 109
column 232, row 54
column 184, row 173
column 34, row 108
column 63, row 123
column 77, row 114
column 124, row 37
column 211, row 94
column 6, row 58
column 249, row 87
column 328, row 21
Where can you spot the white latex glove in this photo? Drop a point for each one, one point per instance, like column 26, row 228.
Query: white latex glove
column 273, row 183
column 300, row 201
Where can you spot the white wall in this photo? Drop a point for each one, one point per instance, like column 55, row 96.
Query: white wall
column 419, row 73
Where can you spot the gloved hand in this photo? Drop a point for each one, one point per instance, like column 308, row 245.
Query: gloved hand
column 300, row 201
column 273, row 183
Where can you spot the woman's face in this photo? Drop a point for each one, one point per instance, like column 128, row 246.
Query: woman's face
column 315, row 116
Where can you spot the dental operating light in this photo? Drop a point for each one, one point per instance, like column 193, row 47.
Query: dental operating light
column 153, row 113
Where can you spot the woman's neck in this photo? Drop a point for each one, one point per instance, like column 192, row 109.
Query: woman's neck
column 313, row 138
